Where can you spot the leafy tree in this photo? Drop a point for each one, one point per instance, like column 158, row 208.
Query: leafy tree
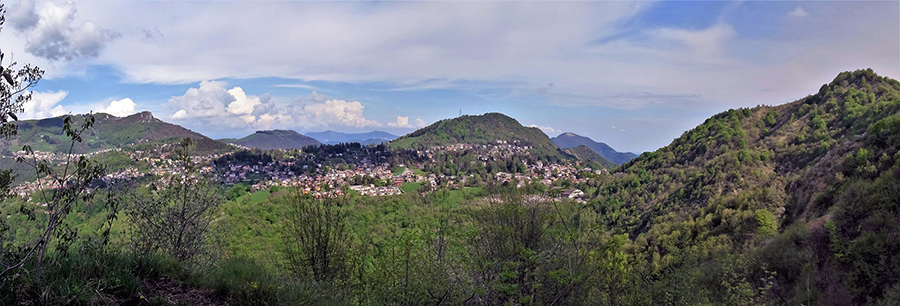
column 317, row 242
column 14, row 83
column 20, row 261
column 175, row 218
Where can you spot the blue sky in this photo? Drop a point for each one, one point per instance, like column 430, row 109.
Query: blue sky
column 632, row 74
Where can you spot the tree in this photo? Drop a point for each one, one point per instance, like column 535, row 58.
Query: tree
column 71, row 178
column 13, row 95
column 176, row 217
column 71, row 181
column 317, row 241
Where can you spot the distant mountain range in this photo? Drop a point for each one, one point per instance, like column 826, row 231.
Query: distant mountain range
column 484, row 129
column 111, row 132
column 108, row 132
column 584, row 153
column 332, row 137
column 274, row 139
column 570, row 140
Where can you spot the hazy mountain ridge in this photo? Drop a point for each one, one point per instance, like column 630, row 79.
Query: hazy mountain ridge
column 480, row 129
column 333, row 137
column 570, row 140
column 274, row 139
column 584, row 153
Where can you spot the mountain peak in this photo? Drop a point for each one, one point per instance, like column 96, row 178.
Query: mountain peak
column 275, row 139
column 480, row 129
column 570, row 140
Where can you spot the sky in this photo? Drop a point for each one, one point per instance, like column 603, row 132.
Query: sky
column 634, row 75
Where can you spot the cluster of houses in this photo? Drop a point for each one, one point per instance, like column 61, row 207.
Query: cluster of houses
column 56, row 157
column 371, row 190
column 502, row 149
column 328, row 183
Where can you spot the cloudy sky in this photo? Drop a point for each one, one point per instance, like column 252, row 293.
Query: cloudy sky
column 632, row 74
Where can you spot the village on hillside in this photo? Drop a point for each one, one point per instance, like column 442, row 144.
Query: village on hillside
column 325, row 180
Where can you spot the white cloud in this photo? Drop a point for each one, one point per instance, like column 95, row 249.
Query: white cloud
column 703, row 46
column 44, row 105
column 207, row 101
column 120, row 108
column 338, row 112
column 798, row 12
column 52, row 33
column 401, row 122
column 180, row 114
column 232, row 108
column 404, row 42
column 242, row 104
column 547, row 130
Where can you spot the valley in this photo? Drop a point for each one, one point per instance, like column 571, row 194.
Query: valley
column 787, row 204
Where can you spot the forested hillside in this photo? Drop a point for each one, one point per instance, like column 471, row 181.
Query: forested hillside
column 791, row 204
column 274, row 139
column 584, row 153
column 484, row 129
column 108, row 132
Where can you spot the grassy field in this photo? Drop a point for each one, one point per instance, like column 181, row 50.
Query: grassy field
column 404, row 143
column 410, row 187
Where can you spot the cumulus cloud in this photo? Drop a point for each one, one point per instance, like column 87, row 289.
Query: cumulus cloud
column 401, row 122
column 44, row 105
column 339, row 112
column 207, row 101
column 242, row 104
column 120, row 108
column 52, row 33
column 798, row 12
column 213, row 102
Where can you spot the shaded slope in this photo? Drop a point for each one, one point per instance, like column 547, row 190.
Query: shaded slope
column 571, row 140
column 584, row 153
column 274, row 139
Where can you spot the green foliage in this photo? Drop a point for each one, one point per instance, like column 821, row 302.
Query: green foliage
column 236, row 191
column 175, row 218
column 766, row 223
column 317, row 241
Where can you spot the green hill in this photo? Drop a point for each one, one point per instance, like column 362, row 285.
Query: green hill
column 484, row 129
column 570, row 140
column 274, row 139
column 584, row 153
column 108, row 132
column 802, row 198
